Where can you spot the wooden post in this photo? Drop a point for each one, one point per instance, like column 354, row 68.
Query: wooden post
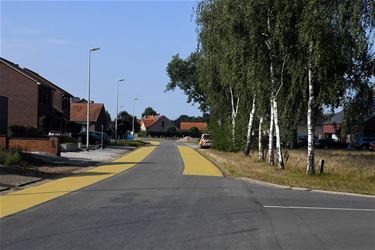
column 321, row 168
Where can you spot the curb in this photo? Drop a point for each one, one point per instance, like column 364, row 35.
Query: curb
column 263, row 183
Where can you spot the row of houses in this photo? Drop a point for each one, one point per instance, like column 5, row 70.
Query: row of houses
column 330, row 126
column 161, row 123
column 28, row 99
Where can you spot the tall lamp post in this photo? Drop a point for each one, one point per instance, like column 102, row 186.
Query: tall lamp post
column 118, row 86
column 135, row 99
column 88, row 101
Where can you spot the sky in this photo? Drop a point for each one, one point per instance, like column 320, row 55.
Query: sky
column 137, row 40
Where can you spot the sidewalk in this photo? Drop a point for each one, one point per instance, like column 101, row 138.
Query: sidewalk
column 44, row 166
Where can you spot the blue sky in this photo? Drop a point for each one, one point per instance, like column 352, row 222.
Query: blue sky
column 137, row 40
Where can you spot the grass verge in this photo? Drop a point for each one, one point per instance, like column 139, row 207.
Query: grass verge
column 130, row 143
column 345, row 171
column 10, row 156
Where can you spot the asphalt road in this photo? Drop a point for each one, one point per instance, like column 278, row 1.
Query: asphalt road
column 154, row 206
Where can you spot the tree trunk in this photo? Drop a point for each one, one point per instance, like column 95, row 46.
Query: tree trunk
column 246, row 150
column 234, row 113
column 280, row 159
column 271, row 160
column 310, row 169
column 260, row 145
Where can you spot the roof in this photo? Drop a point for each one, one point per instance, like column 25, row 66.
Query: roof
column 188, row 125
column 335, row 119
column 44, row 81
column 33, row 75
column 148, row 121
column 78, row 111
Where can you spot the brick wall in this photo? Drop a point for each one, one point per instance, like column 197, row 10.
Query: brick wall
column 3, row 141
column 22, row 95
column 47, row 145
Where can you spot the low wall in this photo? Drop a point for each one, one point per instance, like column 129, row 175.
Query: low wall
column 47, row 145
column 3, row 141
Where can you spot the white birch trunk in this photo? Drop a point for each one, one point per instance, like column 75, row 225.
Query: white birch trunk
column 271, row 160
column 234, row 113
column 280, row 159
column 260, row 145
column 310, row 169
column 246, row 150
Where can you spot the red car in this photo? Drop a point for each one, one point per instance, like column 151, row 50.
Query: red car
column 371, row 145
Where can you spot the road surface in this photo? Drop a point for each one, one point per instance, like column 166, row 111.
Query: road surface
column 156, row 204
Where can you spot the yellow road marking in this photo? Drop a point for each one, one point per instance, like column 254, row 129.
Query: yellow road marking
column 196, row 164
column 21, row 200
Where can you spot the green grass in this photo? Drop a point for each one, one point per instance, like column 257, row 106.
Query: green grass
column 345, row 171
column 130, row 143
column 10, row 157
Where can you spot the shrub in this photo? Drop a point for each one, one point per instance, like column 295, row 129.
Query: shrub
column 21, row 131
column 10, row 157
column 142, row 134
column 171, row 129
column 194, row 130
column 67, row 139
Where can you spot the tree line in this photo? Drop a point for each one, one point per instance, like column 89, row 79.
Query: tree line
column 263, row 67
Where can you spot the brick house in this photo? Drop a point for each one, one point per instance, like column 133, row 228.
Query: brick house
column 78, row 117
column 156, row 123
column 29, row 100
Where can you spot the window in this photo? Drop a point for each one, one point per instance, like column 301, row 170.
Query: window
column 162, row 124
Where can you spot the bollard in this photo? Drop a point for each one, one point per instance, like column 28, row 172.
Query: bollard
column 321, row 169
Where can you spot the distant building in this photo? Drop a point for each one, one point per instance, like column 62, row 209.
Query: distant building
column 186, row 126
column 156, row 123
column 332, row 127
column 78, row 117
column 29, row 100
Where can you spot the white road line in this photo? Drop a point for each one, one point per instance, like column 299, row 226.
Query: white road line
column 324, row 208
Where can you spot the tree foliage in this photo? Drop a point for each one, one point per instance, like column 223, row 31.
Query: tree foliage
column 149, row 112
column 288, row 56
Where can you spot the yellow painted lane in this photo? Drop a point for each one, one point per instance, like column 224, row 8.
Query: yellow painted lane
column 196, row 164
column 21, row 200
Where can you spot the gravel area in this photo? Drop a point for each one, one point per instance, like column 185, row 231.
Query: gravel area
column 50, row 166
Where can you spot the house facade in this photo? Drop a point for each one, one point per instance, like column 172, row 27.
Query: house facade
column 31, row 100
column 156, row 124
column 332, row 127
column 78, row 117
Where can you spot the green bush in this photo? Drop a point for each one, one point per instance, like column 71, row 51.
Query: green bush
column 142, row 134
column 10, row 157
column 171, row 129
column 21, row 131
column 194, row 130
column 67, row 139
column 130, row 143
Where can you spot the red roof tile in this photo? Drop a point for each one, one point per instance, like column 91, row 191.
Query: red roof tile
column 78, row 111
column 188, row 125
column 149, row 120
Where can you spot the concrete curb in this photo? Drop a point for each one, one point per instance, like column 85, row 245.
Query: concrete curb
column 263, row 183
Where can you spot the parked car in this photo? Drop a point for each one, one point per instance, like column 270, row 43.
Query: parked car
column 302, row 141
column 372, row 146
column 363, row 143
column 205, row 141
column 329, row 143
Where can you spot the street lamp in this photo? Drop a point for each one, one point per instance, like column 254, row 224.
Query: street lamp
column 88, row 101
column 118, row 85
column 135, row 99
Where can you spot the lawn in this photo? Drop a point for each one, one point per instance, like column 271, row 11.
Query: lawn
column 345, row 171
column 130, row 143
